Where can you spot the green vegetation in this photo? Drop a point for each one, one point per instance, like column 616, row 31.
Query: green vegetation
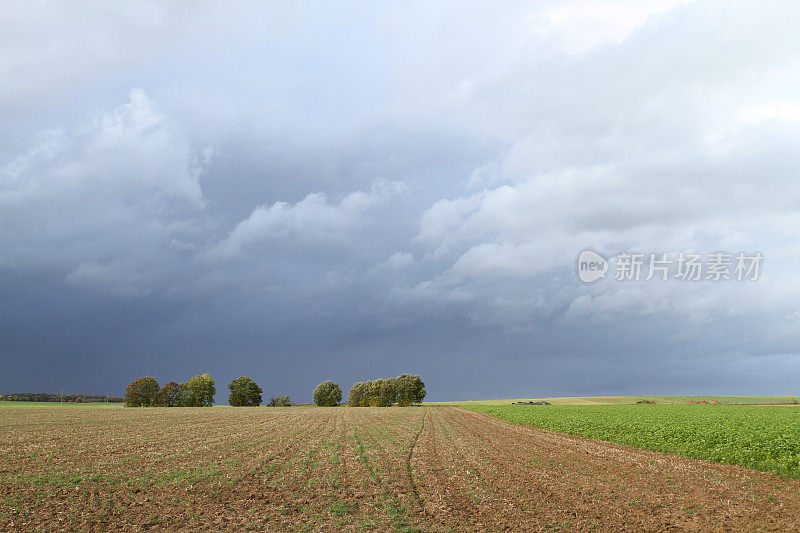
column 244, row 392
column 200, row 391
column 91, row 405
column 197, row 392
column 172, row 395
column 142, row 392
column 763, row 438
column 403, row 390
column 280, row 401
column 60, row 398
column 327, row 394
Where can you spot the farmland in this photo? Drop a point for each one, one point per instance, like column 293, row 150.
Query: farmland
column 333, row 469
column 617, row 400
column 760, row 437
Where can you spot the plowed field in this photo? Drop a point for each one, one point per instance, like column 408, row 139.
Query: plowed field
column 334, row 469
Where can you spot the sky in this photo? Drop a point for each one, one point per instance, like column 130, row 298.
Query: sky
column 306, row 191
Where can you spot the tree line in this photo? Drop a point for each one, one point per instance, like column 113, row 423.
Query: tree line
column 404, row 390
column 199, row 391
column 45, row 397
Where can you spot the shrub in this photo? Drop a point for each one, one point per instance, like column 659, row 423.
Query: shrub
column 171, row 395
column 327, row 394
column 244, row 392
column 280, row 401
column 142, row 392
column 199, row 391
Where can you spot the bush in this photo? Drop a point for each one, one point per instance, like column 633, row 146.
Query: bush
column 327, row 394
column 142, row 392
column 171, row 395
column 199, row 391
column 280, row 401
column 244, row 392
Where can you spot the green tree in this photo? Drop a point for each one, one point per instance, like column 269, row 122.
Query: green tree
column 142, row 392
column 199, row 391
column 358, row 395
column 410, row 389
column 171, row 395
column 381, row 393
column 280, row 401
column 327, row 394
column 244, row 392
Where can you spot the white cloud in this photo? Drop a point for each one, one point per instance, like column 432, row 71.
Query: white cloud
column 524, row 132
column 50, row 47
column 630, row 146
column 776, row 110
column 122, row 188
column 578, row 26
column 312, row 220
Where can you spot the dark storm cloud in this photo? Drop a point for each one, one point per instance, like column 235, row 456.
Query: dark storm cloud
column 300, row 192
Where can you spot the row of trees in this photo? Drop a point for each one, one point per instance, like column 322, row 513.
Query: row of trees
column 199, row 391
column 403, row 390
column 45, row 397
column 245, row 393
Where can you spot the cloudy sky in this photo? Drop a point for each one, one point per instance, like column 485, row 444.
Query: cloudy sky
column 309, row 191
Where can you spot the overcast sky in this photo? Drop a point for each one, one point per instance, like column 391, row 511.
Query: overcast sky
column 307, row 191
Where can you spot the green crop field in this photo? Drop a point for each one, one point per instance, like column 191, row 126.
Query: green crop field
column 763, row 438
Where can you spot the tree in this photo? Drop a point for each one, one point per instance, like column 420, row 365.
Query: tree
column 410, row 389
column 381, row 393
column 280, row 401
column 358, row 395
column 199, row 391
column 142, row 392
column 244, row 392
column 403, row 390
column 171, row 395
column 327, row 394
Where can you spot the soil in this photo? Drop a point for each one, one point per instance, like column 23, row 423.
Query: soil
column 349, row 469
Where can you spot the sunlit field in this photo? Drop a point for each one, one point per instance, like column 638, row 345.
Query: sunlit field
column 760, row 437
column 96, row 468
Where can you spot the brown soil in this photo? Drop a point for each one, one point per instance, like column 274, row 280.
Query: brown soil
column 339, row 469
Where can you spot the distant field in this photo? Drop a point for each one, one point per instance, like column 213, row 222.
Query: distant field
column 4, row 403
column 613, row 400
column 763, row 438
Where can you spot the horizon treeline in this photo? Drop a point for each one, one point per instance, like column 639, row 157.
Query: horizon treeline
column 67, row 398
column 199, row 391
